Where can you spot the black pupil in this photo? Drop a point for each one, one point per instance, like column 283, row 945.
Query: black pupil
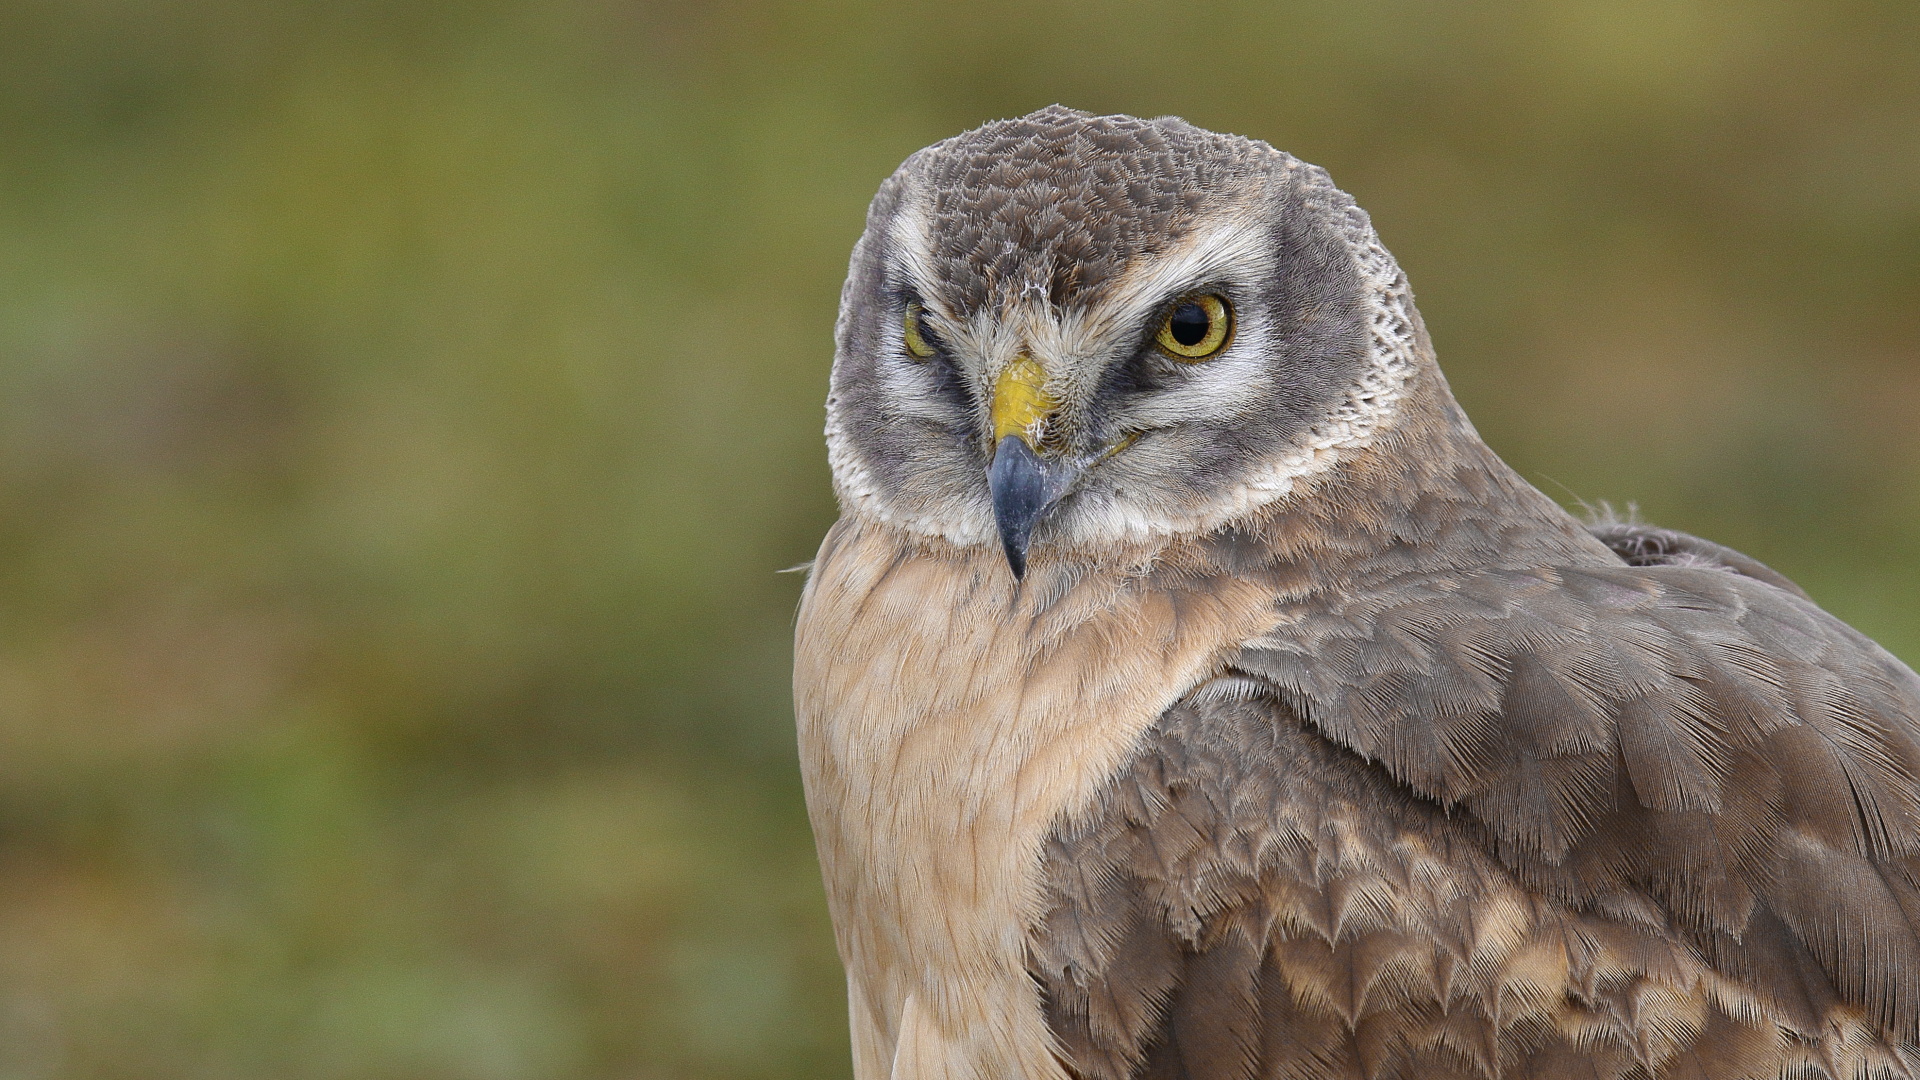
column 1189, row 324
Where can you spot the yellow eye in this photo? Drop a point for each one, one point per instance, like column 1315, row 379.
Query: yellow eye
column 1196, row 328
column 910, row 333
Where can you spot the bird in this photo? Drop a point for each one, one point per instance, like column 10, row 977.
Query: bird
column 1186, row 690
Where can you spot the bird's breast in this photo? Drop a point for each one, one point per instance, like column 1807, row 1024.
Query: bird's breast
column 949, row 719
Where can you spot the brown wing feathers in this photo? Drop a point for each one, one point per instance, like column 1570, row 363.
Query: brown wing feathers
column 1654, row 820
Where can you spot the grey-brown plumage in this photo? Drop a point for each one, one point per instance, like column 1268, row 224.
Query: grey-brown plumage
column 1694, row 771
column 1314, row 742
column 1066, row 204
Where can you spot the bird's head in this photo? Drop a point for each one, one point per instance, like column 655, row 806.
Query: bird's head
column 1081, row 331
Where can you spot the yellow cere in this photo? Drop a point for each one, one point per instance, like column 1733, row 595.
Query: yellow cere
column 1020, row 400
column 910, row 332
column 1196, row 328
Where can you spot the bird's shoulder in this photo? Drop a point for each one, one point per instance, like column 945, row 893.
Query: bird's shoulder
column 1670, row 776
column 1675, row 664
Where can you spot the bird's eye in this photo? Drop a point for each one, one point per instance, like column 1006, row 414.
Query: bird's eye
column 1196, row 328
column 916, row 342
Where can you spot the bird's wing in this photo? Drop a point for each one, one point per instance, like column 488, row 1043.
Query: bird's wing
column 1656, row 820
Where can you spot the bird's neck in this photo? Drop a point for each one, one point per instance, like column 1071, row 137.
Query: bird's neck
column 1427, row 496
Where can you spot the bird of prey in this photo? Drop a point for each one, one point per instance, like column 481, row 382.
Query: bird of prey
column 1186, row 690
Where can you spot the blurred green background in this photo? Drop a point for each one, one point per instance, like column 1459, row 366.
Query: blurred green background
column 405, row 407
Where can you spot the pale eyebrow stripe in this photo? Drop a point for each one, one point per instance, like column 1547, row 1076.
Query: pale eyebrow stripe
column 1238, row 247
column 1235, row 246
column 912, row 252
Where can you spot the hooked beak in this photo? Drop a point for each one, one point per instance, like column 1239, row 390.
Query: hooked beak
column 1026, row 479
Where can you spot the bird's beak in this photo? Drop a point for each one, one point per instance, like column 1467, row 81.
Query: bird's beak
column 1026, row 477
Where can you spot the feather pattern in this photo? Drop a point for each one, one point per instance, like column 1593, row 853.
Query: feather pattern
column 1651, row 817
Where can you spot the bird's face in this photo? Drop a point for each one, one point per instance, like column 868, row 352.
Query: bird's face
column 1086, row 331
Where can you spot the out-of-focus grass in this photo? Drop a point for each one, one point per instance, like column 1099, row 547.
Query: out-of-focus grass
column 404, row 408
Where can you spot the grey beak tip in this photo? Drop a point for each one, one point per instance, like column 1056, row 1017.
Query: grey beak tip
column 1024, row 488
